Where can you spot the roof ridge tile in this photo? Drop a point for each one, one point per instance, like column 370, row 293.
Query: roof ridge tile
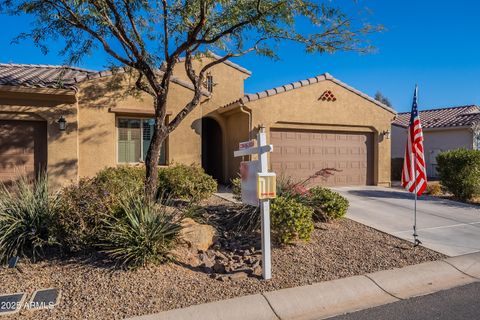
column 306, row 82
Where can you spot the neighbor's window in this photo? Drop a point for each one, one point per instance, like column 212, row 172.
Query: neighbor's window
column 134, row 136
column 476, row 140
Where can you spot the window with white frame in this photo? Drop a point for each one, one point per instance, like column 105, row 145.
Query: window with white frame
column 134, row 137
column 476, row 140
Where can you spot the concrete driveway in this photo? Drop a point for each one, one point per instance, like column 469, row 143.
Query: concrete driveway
column 449, row 227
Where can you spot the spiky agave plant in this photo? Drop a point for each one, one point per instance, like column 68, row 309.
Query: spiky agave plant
column 141, row 232
column 27, row 217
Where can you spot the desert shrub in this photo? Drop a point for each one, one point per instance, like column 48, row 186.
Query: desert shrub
column 289, row 187
column 80, row 212
column 327, row 204
column 241, row 218
column 27, row 218
column 122, row 179
column 237, row 188
column 84, row 204
column 434, row 189
column 195, row 212
column 459, row 172
column 187, row 182
column 142, row 232
column 291, row 220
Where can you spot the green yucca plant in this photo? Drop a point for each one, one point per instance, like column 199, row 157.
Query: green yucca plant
column 27, row 218
column 141, row 232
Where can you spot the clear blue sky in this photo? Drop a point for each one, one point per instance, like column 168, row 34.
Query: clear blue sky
column 433, row 43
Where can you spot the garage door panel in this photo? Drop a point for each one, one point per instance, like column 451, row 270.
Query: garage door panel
column 23, row 148
column 306, row 152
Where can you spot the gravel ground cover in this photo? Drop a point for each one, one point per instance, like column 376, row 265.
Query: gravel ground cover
column 91, row 289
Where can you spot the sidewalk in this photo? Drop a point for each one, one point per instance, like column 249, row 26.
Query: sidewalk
column 327, row 299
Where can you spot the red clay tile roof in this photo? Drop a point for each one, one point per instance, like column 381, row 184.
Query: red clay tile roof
column 302, row 83
column 462, row 116
column 58, row 77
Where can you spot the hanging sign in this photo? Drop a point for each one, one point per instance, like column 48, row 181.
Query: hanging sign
column 248, row 173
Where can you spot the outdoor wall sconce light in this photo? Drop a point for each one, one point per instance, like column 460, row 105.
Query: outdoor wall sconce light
column 386, row 134
column 62, row 123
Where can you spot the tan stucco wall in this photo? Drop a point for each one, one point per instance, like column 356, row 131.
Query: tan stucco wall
column 98, row 127
column 302, row 109
column 83, row 152
column 90, row 141
column 62, row 153
column 434, row 142
column 229, row 83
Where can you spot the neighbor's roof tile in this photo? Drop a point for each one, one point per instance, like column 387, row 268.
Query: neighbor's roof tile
column 461, row 116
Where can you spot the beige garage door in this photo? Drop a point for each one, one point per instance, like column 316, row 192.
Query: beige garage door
column 299, row 154
column 23, row 148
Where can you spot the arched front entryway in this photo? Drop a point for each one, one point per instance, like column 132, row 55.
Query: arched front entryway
column 212, row 148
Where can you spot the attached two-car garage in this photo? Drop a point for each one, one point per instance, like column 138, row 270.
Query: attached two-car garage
column 314, row 124
column 23, row 148
column 299, row 154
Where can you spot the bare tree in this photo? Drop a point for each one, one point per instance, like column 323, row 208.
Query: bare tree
column 144, row 35
column 381, row 98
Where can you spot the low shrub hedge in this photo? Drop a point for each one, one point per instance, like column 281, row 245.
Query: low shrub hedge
column 459, row 172
column 186, row 182
column 327, row 204
column 291, row 220
column 121, row 179
column 82, row 207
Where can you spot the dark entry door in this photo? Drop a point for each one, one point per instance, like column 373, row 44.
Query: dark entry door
column 212, row 148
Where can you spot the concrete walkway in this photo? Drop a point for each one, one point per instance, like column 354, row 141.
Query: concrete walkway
column 449, row 227
column 327, row 299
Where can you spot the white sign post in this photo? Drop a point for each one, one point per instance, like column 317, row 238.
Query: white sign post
column 261, row 166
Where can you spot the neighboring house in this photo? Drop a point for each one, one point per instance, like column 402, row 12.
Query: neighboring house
column 443, row 129
column 313, row 124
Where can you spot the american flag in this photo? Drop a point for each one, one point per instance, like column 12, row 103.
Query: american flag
column 414, row 177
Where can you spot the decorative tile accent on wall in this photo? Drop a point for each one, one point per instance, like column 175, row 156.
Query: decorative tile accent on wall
column 327, row 96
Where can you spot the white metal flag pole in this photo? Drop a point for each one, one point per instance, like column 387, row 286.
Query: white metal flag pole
column 416, row 242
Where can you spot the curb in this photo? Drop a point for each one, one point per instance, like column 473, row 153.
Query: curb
column 331, row 298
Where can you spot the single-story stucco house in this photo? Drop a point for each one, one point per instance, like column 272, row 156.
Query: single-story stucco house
column 315, row 123
column 443, row 129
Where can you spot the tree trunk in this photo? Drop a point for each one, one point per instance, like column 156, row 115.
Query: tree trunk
column 160, row 133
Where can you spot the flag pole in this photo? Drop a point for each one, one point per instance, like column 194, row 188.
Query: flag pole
column 416, row 241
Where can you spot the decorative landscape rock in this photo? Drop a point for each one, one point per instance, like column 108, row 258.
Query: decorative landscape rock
column 197, row 236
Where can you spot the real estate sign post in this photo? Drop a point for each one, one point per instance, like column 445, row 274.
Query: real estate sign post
column 258, row 187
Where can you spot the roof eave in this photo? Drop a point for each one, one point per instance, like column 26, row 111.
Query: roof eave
column 50, row 94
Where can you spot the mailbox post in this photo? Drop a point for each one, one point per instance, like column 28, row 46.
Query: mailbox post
column 265, row 185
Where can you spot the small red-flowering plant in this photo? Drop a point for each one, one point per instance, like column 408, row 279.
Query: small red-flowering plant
column 286, row 186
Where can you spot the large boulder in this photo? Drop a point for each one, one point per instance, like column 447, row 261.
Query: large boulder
column 197, row 236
